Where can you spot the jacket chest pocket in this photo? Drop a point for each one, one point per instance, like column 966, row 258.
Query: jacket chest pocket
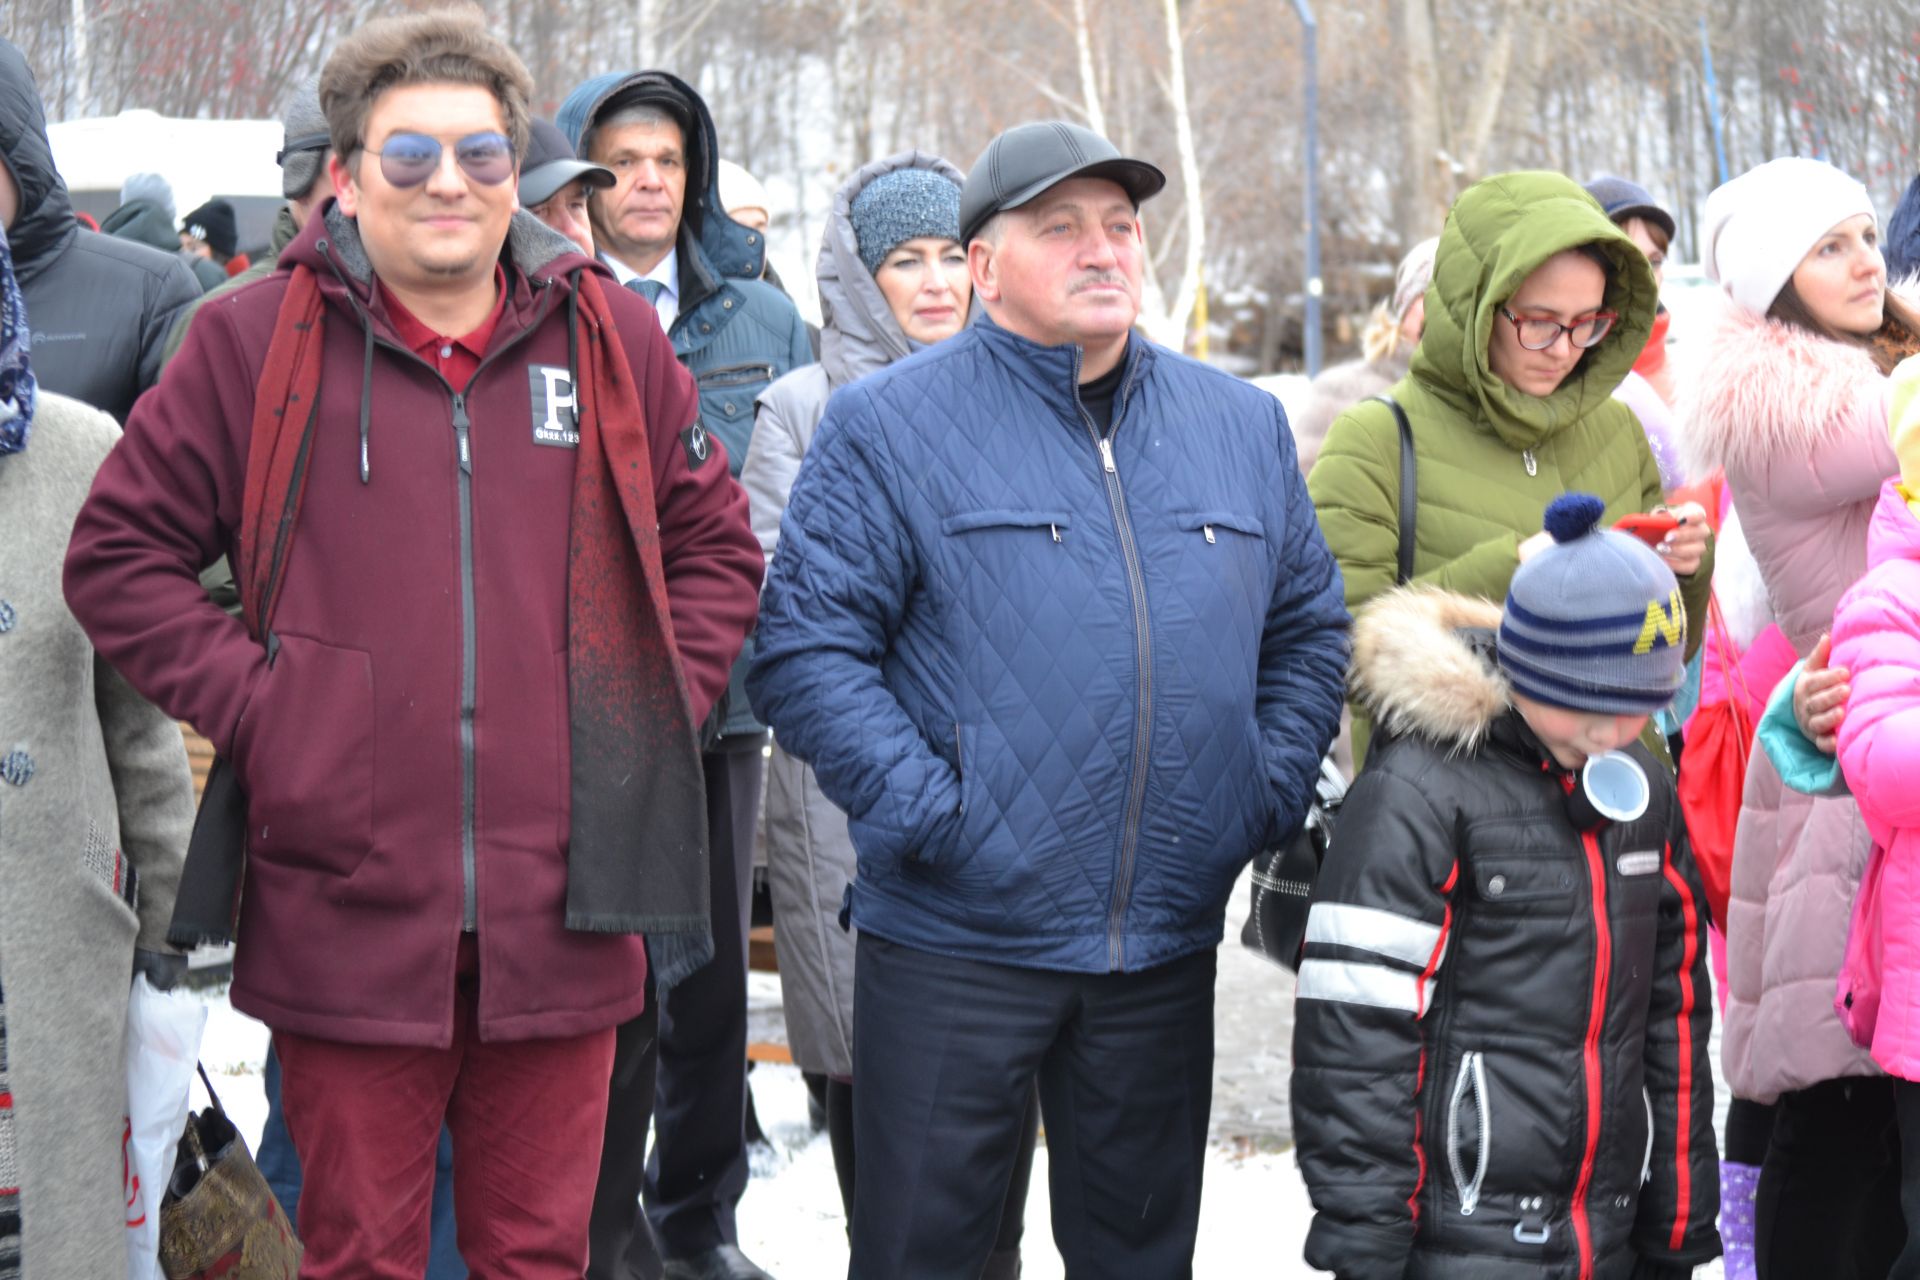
column 1004, row 527
column 1523, row 881
column 1229, row 528
column 1520, row 864
column 1004, row 566
column 726, row 400
column 1227, row 549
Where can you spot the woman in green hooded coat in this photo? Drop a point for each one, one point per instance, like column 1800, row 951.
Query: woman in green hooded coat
column 1501, row 424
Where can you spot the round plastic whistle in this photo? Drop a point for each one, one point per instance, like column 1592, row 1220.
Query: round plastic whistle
column 1615, row 786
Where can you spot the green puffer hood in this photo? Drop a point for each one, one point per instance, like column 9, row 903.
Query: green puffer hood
column 1498, row 233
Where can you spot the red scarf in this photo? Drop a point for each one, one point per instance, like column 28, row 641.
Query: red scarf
column 1654, row 357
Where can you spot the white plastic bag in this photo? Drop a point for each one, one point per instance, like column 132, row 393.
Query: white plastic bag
column 163, row 1044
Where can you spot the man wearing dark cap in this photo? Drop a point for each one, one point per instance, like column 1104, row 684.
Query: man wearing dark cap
column 1052, row 620
column 555, row 184
column 663, row 231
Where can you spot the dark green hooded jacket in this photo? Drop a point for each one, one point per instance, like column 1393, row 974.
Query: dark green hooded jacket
column 1489, row 456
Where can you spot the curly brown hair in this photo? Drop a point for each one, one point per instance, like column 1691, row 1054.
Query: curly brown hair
column 444, row 46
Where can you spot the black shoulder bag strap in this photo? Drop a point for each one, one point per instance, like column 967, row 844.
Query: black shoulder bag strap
column 1409, row 493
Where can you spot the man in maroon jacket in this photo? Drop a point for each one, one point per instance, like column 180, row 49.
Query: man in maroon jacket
column 498, row 577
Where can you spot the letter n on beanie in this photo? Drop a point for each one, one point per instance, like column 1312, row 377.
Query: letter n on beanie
column 1595, row 621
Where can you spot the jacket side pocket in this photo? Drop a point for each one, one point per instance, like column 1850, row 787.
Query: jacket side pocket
column 1469, row 1088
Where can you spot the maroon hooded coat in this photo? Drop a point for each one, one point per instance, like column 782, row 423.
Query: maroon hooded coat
column 367, row 853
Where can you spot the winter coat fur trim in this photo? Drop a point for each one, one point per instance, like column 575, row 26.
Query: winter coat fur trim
column 1739, row 585
column 1416, row 674
column 1767, row 387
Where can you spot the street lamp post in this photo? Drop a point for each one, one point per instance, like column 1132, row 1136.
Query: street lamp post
column 1311, row 32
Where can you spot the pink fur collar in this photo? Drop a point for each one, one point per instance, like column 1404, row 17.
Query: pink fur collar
column 1766, row 389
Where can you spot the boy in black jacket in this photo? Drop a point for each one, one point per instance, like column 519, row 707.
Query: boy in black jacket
column 1500, row 1046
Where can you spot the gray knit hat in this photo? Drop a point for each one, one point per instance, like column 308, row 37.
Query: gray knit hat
column 896, row 207
column 304, row 151
column 1594, row 622
column 148, row 186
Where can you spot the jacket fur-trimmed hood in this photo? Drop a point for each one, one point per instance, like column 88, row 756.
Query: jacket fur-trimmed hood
column 1417, row 673
column 1766, row 388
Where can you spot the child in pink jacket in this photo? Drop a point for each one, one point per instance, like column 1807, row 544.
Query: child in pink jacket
column 1876, row 635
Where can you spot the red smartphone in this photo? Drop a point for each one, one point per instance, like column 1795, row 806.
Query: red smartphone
column 1651, row 527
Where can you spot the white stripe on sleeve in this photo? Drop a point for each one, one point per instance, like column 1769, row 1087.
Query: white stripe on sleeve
column 1384, row 933
column 1348, row 982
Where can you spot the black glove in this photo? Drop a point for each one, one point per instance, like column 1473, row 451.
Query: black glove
column 164, row 969
column 1645, row 1268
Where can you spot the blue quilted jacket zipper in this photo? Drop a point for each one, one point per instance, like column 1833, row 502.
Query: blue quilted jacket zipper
column 1143, row 657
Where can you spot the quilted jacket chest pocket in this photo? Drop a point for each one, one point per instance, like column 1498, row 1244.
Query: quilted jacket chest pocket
column 984, row 525
column 1229, row 549
column 1001, row 557
column 1229, row 528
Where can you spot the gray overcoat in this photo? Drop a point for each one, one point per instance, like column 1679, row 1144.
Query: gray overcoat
column 810, row 858
column 93, row 785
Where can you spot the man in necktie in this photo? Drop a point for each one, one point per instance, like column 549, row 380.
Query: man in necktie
column 664, row 232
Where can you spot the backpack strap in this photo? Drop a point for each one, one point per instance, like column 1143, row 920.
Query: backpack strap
column 1409, row 495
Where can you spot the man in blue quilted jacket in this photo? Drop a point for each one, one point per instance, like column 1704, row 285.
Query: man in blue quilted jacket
column 1052, row 620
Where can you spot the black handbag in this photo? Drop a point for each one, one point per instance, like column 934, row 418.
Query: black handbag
column 1283, row 876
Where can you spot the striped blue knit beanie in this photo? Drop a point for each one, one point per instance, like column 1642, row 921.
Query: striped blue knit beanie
column 1594, row 622
column 901, row 206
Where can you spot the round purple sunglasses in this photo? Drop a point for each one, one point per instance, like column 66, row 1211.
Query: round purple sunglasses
column 409, row 159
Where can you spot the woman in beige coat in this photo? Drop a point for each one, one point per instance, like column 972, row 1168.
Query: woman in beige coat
column 95, row 806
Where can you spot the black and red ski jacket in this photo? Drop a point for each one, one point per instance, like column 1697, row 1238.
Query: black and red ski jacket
column 1500, row 1042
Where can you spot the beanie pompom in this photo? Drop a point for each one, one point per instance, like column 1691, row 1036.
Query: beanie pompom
column 1573, row 515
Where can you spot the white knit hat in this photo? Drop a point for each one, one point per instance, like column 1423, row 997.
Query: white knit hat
column 741, row 190
column 1759, row 226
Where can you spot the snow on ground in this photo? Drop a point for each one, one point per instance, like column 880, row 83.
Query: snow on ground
column 790, row 1219
column 1253, row 1217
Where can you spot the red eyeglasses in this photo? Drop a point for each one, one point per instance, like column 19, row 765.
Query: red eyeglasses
column 1537, row 333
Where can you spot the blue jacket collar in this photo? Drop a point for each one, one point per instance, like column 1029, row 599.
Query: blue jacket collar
column 1053, row 373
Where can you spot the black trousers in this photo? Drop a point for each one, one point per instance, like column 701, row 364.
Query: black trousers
column 1906, row 1103
column 683, row 1065
column 1013, row 1213
column 1828, row 1205
column 945, row 1055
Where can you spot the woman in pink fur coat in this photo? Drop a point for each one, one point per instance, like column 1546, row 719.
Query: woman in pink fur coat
column 1791, row 400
